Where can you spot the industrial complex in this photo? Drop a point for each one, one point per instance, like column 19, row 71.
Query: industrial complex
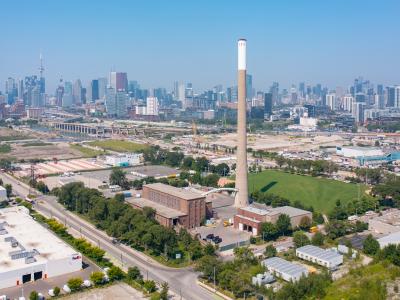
column 29, row 252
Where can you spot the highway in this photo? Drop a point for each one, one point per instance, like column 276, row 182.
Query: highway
column 183, row 281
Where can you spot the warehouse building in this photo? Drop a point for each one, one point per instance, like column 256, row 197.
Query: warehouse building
column 322, row 257
column 29, row 252
column 173, row 206
column 390, row 239
column 284, row 269
column 123, row 160
column 250, row 218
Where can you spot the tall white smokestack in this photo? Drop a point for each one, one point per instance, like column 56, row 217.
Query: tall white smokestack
column 242, row 197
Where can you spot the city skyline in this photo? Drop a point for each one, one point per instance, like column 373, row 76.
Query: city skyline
column 290, row 43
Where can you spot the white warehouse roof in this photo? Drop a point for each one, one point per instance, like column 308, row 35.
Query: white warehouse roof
column 20, row 233
column 319, row 253
column 393, row 238
column 285, row 267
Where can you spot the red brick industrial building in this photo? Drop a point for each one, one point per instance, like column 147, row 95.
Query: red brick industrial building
column 173, row 206
column 251, row 217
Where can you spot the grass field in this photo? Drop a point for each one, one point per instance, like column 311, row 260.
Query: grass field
column 86, row 152
column 321, row 193
column 367, row 283
column 5, row 148
column 118, row 145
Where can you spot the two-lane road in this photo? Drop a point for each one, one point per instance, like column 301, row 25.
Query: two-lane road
column 181, row 281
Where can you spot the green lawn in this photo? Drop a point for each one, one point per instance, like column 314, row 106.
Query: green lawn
column 321, row 193
column 86, row 152
column 5, row 148
column 118, row 145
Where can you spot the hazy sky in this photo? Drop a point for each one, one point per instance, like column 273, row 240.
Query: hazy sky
column 157, row 42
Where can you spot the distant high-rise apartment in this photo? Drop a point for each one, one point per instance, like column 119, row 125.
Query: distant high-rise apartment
column 390, row 96
column 397, row 96
column 116, row 103
column 67, row 99
column 358, row 112
column 348, row 102
column 152, row 106
column 249, row 87
column 110, row 102
column 77, row 92
column 331, row 101
column 102, row 87
column 119, row 81
column 94, row 90
column 267, row 104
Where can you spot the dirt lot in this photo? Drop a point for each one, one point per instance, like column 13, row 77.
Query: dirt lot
column 281, row 142
column 59, row 150
column 120, row 291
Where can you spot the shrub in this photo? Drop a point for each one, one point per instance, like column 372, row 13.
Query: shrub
column 115, row 273
column 75, row 283
column 150, row 286
column 56, row 291
column 34, row 295
column 97, row 278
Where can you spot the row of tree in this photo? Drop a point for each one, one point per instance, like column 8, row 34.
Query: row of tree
column 137, row 228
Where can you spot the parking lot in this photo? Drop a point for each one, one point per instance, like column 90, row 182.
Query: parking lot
column 44, row 285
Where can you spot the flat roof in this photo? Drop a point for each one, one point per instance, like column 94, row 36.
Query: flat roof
column 183, row 193
column 162, row 210
column 393, row 238
column 264, row 210
column 19, row 225
column 319, row 253
column 285, row 267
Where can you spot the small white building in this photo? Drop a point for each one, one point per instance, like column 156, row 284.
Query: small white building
column 284, row 269
column 354, row 152
column 262, row 279
column 322, row 257
column 29, row 252
column 123, row 160
column 3, row 193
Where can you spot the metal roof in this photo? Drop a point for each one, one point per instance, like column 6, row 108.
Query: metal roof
column 185, row 194
column 319, row 253
column 284, row 266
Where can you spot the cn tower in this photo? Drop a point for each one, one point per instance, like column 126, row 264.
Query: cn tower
column 242, row 197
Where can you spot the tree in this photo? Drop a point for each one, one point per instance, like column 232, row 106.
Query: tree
column 42, row 187
column 370, row 245
column 318, row 239
column 56, row 291
column 118, row 177
column 211, row 180
column 164, row 291
column 115, row 273
column 270, row 251
column 283, row 224
column 269, row 231
column 207, row 264
column 75, row 283
column 97, row 278
column 134, row 274
column 150, row 286
column 8, row 188
column 34, row 295
column 209, row 249
column 300, row 239
column 149, row 212
column 5, row 164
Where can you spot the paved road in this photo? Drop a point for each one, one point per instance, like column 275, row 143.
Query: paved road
column 181, row 281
